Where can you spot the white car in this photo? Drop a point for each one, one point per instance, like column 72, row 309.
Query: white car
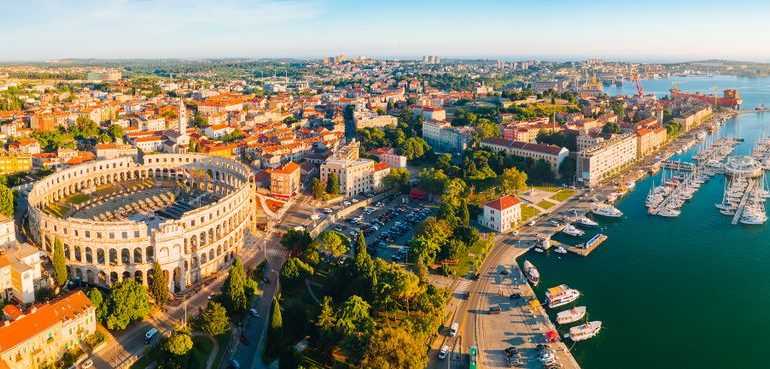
column 347, row 203
column 379, row 204
column 354, row 200
column 444, row 352
column 315, row 217
column 328, row 210
column 254, row 313
column 87, row 364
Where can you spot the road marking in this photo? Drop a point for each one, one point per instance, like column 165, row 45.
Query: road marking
column 274, row 252
column 462, row 286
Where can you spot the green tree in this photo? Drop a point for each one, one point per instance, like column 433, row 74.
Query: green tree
column 319, row 192
column 432, row 180
column 333, row 184
column 59, row 263
column 294, row 270
column 354, row 317
column 465, row 215
column 6, row 200
column 414, row 148
column 115, row 131
column 398, row 178
column 158, row 285
column 234, row 291
column 296, row 241
column 179, row 343
column 128, row 301
column 331, row 243
column 512, row 180
column 274, row 330
column 99, row 304
column 611, row 128
column 360, row 248
column 214, row 320
column 394, row 348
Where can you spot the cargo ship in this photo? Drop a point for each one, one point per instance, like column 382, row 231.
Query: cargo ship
column 730, row 97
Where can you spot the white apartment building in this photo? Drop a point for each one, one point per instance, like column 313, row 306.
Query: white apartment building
column 7, row 230
column 502, row 214
column 355, row 176
column 363, row 119
column 20, row 272
column 605, row 159
column 552, row 154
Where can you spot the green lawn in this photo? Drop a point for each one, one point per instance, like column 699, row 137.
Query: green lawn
column 200, row 352
column 528, row 212
column 547, row 188
column 223, row 340
column 563, row 195
column 545, row 204
column 56, row 210
column 78, row 198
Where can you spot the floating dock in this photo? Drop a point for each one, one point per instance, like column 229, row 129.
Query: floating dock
column 742, row 205
column 586, row 249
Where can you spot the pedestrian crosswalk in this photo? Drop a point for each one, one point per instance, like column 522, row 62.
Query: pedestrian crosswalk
column 462, row 287
column 274, row 252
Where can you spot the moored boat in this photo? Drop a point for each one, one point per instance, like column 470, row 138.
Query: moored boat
column 585, row 331
column 572, row 231
column 607, row 211
column 560, row 250
column 571, row 315
column 586, row 221
column 532, row 274
column 561, row 295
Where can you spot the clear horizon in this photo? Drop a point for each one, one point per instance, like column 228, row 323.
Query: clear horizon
column 652, row 31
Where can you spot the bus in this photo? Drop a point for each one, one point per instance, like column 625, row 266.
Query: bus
column 474, row 355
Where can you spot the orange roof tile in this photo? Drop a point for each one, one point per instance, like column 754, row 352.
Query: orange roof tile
column 503, row 203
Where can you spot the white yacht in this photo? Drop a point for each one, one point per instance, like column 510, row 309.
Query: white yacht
column 586, row 221
column 561, row 295
column 532, row 274
column 572, row 231
column 571, row 315
column 560, row 250
column 585, row 331
column 607, row 211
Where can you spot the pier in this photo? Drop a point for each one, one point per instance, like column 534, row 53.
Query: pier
column 586, row 249
column 742, row 205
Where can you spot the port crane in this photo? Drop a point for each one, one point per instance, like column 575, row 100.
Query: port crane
column 639, row 89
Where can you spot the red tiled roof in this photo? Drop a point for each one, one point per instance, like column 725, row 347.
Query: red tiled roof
column 503, row 203
column 380, row 166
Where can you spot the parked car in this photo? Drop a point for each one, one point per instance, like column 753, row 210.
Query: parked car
column 254, row 312
column 87, row 364
column 347, row 203
column 328, row 210
column 444, row 352
column 494, row 310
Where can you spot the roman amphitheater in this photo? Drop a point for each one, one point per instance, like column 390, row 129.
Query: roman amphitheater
column 116, row 217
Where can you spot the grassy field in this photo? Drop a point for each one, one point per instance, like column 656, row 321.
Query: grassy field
column 528, row 212
column 200, row 352
column 56, row 210
column 548, row 188
column 466, row 262
column 563, row 195
column 545, row 204
column 78, row 198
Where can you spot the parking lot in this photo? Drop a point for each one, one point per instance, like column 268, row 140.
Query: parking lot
column 387, row 224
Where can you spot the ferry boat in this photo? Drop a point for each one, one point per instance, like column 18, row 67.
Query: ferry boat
column 585, row 331
column 531, row 273
column 561, row 295
column 607, row 211
column 586, row 221
column 571, row 315
column 572, row 231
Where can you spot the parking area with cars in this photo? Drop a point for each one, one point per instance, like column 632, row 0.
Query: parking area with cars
column 388, row 225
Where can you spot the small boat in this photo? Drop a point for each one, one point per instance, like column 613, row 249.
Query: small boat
column 572, row 231
column 669, row 213
column 571, row 315
column 587, row 222
column 607, row 211
column 532, row 274
column 561, row 295
column 560, row 250
column 585, row 331
column 538, row 249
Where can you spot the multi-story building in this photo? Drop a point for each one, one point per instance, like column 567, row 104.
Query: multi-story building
column 10, row 164
column 388, row 156
column 363, row 119
column 431, row 113
column 7, row 230
column 500, row 215
column 443, row 137
column 42, row 334
column 552, row 154
column 111, row 151
column 649, row 140
column 381, row 170
column 20, row 272
column 354, row 174
column 285, row 181
column 596, row 163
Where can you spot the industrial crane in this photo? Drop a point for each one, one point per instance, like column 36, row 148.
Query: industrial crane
column 639, row 89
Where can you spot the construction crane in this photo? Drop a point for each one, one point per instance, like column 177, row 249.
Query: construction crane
column 639, row 89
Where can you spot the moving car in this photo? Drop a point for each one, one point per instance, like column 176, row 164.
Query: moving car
column 444, row 352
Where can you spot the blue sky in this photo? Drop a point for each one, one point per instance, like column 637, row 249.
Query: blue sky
column 653, row 30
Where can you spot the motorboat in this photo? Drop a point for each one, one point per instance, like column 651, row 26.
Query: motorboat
column 538, row 249
column 561, row 295
column 585, row 331
column 532, row 274
column 572, row 231
column 607, row 211
column 586, row 221
column 669, row 212
column 560, row 250
column 571, row 315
